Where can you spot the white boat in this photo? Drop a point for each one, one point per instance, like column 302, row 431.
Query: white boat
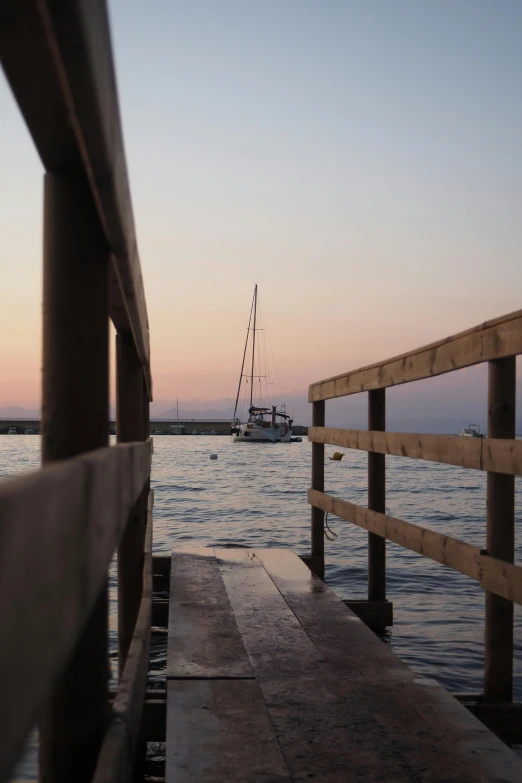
column 471, row 431
column 12, row 431
column 264, row 424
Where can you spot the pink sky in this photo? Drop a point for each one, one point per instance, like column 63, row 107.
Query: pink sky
column 374, row 197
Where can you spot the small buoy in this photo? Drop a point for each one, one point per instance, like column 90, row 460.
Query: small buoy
column 337, row 456
column 213, row 456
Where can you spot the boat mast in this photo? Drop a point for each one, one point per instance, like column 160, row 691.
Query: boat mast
column 243, row 362
column 253, row 346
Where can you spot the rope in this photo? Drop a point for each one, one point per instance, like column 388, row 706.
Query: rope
column 330, row 535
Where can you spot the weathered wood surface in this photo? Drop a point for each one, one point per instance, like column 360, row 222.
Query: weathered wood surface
column 492, row 454
column 116, row 759
column 218, row 726
column 69, row 100
column 343, row 706
column 220, row 730
column 497, row 576
column 72, row 513
column 204, row 641
column 495, row 339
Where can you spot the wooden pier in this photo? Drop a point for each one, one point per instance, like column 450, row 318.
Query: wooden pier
column 270, row 676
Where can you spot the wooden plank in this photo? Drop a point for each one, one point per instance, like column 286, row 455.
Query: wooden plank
column 495, row 339
column 449, row 449
column 117, row 754
column 220, row 730
column 500, row 541
column 68, row 97
column 71, row 514
column 493, row 454
column 204, row 641
column 412, row 727
column 497, row 576
column 323, row 732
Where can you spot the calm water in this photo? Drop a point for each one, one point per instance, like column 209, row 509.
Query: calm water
column 255, row 495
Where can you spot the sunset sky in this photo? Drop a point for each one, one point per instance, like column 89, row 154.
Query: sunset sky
column 360, row 160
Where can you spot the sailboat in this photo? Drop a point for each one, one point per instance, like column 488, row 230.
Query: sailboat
column 264, row 425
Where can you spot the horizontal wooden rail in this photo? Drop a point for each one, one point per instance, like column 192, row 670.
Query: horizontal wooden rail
column 116, row 760
column 496, row 576
column 58, row 531
column 492, row 454
column 492, row 340
column 68, row 98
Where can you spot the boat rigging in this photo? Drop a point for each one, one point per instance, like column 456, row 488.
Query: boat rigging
column 277, row 426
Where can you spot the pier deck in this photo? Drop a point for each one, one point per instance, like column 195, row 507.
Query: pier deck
column 271, row 677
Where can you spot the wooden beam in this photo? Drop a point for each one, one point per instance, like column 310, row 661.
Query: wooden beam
column 154, row 719
column 498, row 651
column 130, row 426
column 317, row 530
column 72, row 515
column 117, row 755
column 75, row 420
column 376, row 499
column 374, row 614
column 68, row 97
column 497, row 576
column 495, row 454
column 161, row 565
column 495, row 339
column 503, row 719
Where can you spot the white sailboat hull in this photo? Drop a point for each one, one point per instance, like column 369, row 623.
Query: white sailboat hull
column 245, row 434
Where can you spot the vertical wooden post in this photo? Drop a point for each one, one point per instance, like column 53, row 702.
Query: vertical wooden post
column 75, row 419
column 130, row 426
column 498, row 659
column 318, row 419
column 146, row 412
column 376, row 498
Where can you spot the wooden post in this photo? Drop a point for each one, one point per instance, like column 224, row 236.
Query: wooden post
column 146, row 412
column 130, row 426
column 376, row 498
column 317, row 561
column 498, row 659
column 75, row 419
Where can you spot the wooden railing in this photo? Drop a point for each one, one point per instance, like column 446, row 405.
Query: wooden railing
column 60, row 527
column 497, row 342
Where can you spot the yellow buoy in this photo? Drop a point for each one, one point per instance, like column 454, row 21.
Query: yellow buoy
column 337, row 455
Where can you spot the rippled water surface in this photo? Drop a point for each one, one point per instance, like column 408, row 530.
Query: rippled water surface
column 255, row 495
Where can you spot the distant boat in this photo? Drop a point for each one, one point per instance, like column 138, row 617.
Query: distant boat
column 471, row 431
column 264, row 424
column 12, row 431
